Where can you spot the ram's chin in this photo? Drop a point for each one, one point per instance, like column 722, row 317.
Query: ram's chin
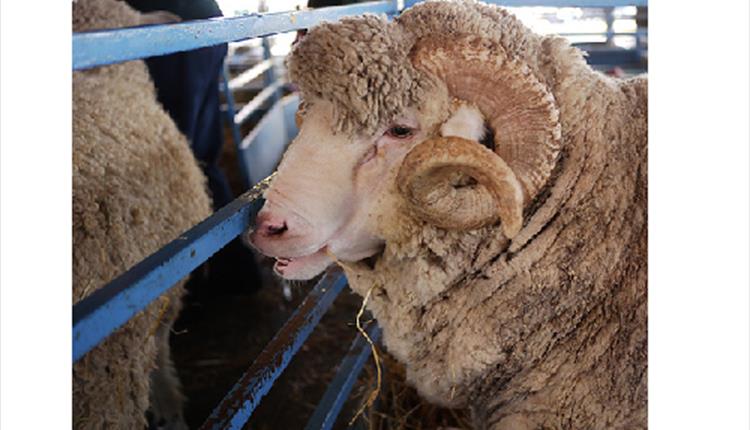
column 302, row 268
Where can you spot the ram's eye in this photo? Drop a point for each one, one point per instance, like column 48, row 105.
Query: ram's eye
column 399, row 132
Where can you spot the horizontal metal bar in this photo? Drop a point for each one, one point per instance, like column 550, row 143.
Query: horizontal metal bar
column 262, row 125
column 338, row 390
column 556, row 3
column 257, row 101
column 236, row 407
column 606, row 33
column 98, row 48
column 108, row 308
column 613, row 57
column 248, row 75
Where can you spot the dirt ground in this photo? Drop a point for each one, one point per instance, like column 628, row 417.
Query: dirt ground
column 218, row 337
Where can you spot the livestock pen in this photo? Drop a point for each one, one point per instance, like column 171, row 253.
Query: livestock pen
column 258, row 152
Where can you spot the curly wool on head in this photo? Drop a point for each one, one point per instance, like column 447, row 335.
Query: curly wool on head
column 362, row 64
column 366, row 90
column 470, row 17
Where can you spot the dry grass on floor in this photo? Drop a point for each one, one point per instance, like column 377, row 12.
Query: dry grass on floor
column 399, row 406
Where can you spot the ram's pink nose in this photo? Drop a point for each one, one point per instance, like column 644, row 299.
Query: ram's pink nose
column 282, row 233
column 270, row 227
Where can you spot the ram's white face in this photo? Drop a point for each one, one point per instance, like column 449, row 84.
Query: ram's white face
column 322, row 200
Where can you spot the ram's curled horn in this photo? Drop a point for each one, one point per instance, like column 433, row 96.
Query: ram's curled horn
column 520, row 110
column 433, row 176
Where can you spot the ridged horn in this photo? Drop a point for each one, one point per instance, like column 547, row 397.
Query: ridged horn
column 432, row 178
column 517, row 107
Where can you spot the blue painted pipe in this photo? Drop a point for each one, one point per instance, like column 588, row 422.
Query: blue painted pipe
column 98, row 48
column 554, row 3
column 237, row 406
column 338, row 390
column 108, row 308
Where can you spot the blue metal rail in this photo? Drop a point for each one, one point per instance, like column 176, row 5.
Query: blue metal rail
column 107, row 309
column 338, row 391
column 234, row 411
column 555, row 3
column 98, row 48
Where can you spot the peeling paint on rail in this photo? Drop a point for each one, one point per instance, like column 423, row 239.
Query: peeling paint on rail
column 333, row 400
column 105, row 310
column 237, row 406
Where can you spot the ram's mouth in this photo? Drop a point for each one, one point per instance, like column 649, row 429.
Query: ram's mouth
column 288, row 266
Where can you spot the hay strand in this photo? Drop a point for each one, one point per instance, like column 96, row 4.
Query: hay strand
column 374, row 394
column 163, row 310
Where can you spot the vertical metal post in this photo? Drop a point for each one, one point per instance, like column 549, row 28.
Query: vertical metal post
column 641, row 20
column 609, row 16
column 236, row 136
column 269, row 76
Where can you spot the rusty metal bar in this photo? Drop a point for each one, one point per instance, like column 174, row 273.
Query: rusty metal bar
column 338, row 390
column 237, row 406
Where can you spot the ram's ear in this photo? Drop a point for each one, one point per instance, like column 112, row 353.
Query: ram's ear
column 465, row 122
column 455, row 183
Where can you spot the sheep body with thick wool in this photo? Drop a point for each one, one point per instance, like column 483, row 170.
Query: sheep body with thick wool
column 136, row 187
column 507, row 264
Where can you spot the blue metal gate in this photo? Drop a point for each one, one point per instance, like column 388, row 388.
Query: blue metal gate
column 100, row 314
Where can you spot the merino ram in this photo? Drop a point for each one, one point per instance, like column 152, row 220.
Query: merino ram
column 136, row 186
column 489, row 189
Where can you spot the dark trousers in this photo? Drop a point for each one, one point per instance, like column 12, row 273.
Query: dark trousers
column 188, row 88
column 187, row 85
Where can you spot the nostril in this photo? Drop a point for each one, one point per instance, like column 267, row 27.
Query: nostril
column 275, row 229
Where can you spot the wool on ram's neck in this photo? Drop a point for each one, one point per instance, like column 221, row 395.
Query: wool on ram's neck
column 548, row 329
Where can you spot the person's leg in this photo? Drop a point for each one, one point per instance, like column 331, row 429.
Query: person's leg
column 212, row 130
column 188, row 87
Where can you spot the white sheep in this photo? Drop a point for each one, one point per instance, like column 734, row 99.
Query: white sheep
column 489, row 188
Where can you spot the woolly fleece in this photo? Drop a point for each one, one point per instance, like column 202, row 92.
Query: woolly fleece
column 136, row 187
column 547, row 330
column 361, row 65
